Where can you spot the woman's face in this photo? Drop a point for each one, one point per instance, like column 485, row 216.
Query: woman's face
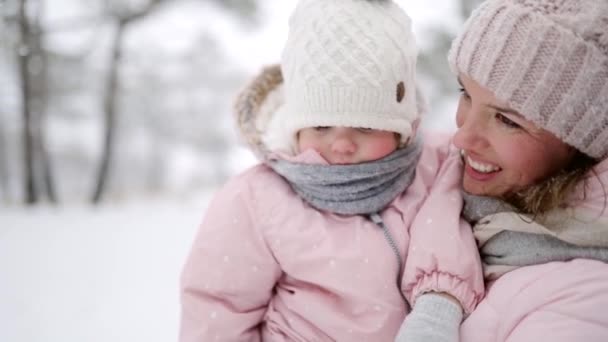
column 502, row 151
column 346, row 145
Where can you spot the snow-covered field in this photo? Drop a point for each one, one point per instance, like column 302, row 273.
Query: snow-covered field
column 83, row 274
column 110, row 274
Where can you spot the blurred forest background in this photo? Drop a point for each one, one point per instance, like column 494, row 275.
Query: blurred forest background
column 114, row 100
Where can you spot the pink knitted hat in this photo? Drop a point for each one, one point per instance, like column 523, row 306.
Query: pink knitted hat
column 548, row 60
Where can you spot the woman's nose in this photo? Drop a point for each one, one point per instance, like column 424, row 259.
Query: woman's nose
column 471, row 133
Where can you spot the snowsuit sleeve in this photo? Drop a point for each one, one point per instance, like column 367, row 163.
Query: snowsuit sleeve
column 559, row 326
column 230, row 273
column 443, row 255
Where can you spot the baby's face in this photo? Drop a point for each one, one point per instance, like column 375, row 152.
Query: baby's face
column 346, row 145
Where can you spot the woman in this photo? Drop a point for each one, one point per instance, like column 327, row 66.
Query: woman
column 533, row 131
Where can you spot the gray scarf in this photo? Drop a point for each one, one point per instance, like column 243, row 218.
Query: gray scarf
column 363, row 188
column 511, row 248
column 478, row 207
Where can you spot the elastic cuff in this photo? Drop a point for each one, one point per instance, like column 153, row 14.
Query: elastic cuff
column 443, row 282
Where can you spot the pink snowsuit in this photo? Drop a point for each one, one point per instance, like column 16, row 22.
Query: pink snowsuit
column 267, row 266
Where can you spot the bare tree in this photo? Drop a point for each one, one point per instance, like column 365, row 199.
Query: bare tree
column 31, row 63
column 124, row 18
column 37, row 68
column 5, row 45
column 23, row 48
column 4, row 176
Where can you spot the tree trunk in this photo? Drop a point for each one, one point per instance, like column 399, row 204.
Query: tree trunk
column 40, row 95
column 4, row 172
column 110, row 104
column 23, row 60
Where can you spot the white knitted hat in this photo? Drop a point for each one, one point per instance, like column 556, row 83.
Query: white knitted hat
column 347, row 63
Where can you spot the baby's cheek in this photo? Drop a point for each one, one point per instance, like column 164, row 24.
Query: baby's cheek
column 305, row 140
column 382, row 148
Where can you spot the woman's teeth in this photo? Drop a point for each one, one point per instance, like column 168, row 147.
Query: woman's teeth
column 481, row 167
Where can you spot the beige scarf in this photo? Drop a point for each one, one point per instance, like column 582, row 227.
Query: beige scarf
column 577, row 227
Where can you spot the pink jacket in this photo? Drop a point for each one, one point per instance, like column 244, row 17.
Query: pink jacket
column 558, row 301
column 267, row 266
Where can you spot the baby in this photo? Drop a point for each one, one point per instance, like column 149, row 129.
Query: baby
column 350, row 223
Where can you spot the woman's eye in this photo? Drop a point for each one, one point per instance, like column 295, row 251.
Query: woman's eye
column 506, row 121
column 463, row 93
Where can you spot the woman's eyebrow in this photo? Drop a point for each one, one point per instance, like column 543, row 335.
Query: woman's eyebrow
column 504, row 110
column 496, row 108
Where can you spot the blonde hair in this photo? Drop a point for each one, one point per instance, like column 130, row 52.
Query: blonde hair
column 551, row 192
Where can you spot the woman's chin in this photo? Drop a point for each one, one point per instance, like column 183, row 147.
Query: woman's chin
column 474, row 191
column 477, row 188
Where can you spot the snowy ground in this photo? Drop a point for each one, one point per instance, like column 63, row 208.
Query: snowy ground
column 93, row 275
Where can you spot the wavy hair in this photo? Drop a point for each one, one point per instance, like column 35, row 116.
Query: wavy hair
column 551, row 192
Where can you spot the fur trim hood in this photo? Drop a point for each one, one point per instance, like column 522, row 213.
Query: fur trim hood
column 260, row 99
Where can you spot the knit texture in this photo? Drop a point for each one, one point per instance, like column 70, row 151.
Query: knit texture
column 508, row 240
column 514, row 248
column 353, row 189
column 546, row 59
column 346, row 63
column 433, row 319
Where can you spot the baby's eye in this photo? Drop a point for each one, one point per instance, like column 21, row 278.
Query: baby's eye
column 506, row 121
column 365, row 130
column 321, row 128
